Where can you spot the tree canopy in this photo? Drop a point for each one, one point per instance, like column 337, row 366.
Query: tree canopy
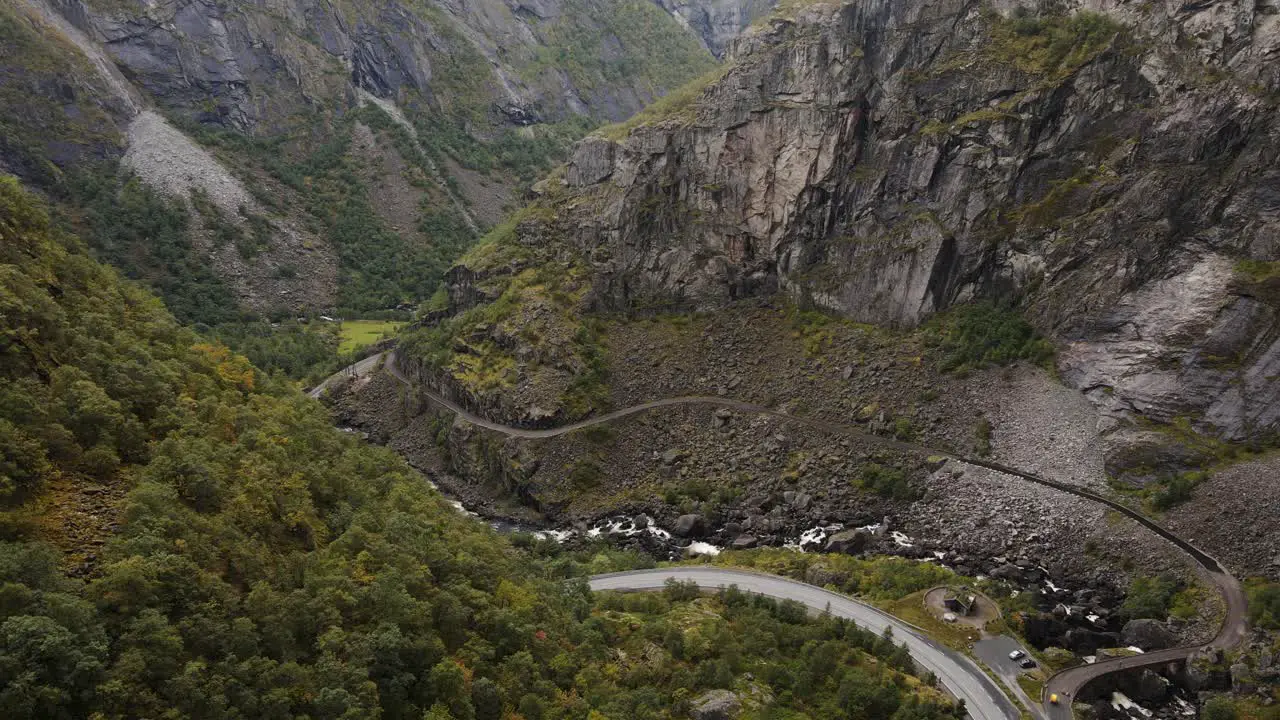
column 182, row 536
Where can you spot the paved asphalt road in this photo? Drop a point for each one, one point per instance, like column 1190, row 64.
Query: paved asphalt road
column 1066, row 683
column 960, row 675
column 994, row 653
column 359, row 369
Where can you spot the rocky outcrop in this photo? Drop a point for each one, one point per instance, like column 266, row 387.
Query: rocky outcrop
column 690, row 526
column 850, row 542
column 104, row 117
column 253, row 64
column 1148, row 634
column 274, row 84
column 885, row 161
column 61, row 102
column 716, row 705
column 717, row 22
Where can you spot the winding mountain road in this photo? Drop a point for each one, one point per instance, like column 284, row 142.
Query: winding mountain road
column 1067, row 683
column 957, row 673
column 358, row 369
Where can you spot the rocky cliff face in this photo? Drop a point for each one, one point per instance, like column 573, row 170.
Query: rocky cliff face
column 249, row 64
column 482, row 97
column 1110, row 166
column 717, row 22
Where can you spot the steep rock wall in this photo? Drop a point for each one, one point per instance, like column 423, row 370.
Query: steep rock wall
column 498, row 89
column 885, row 161
column 717, row 22
column 252, row 64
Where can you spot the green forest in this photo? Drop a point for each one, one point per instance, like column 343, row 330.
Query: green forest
column 145, row 235
column 185, row 536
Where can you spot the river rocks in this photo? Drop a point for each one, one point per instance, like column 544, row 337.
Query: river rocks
column 1150, row 687
column 1008, row 571
column 1242, row 678
column 744, row 542
column 1148, row 634
column 690, row 526
column 849, row 542
column 797, row 500
column 716, row 705
column 1087, row 642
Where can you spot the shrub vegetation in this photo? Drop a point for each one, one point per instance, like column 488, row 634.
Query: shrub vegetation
column 1051, row 44
column 880, row 579
column 1264, row 604
column 1176, row 489
column 985, row 333
column 1151, row 597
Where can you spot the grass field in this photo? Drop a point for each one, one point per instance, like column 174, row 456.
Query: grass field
column 358, row 333
column 911, row 608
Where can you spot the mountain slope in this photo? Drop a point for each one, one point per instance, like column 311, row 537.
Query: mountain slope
column 325, row 160
column 888, row 161
column 180, row 536
column 298, row 198
column 717, row 22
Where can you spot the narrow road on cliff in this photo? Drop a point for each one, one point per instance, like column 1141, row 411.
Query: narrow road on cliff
column 957, row 673
column 358, row 369
column 1066, row 683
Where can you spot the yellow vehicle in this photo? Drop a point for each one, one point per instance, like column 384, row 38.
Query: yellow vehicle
column 1053, row 698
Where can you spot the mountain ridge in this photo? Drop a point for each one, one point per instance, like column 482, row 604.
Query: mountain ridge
column 291, row 74
column 860, row 162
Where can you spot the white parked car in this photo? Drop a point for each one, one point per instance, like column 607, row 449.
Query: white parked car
column 1017, row 655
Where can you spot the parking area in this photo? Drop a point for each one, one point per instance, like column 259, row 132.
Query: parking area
column 994, row 652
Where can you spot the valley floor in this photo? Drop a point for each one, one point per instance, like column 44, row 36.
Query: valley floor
column 763, row 477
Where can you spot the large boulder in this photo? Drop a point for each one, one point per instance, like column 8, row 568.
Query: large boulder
column 797, row 500
column 716, row 705
column 1007, row 571
column 690, row 526
column 1087, row 642
column 1148, row 635
column 1150, row 687
column 1084, row 711
column 1041, row 630
column 1205, row 671
column 849, row 541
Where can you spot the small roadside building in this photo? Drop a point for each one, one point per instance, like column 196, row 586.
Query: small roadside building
column 960, row 602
